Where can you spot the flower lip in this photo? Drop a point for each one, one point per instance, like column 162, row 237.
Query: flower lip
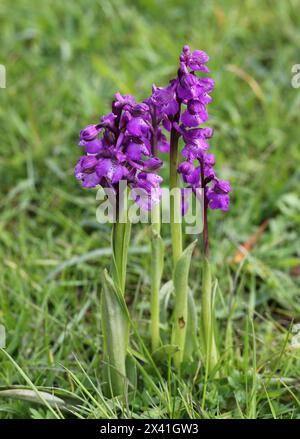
column 194, row 119
column 218, row 201
column 137, row 127
column 193, row 178
column 195, row 106
column 93, row 146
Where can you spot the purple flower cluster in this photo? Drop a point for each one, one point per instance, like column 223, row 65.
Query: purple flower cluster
column 192, row 92
column 120, row 148
column 123, row 145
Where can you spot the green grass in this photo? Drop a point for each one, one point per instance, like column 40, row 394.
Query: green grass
column 64, row 62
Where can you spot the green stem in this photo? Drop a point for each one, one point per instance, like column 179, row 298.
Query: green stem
column 157, row 253
column 157, row 256
column 120, row 251
column 175, row 201
column 207, row 314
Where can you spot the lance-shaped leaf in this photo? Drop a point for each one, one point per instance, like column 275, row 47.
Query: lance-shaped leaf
column 207, row 317
column 29, row 395
column 115, row 333
column 191, row 344
column 181, row 273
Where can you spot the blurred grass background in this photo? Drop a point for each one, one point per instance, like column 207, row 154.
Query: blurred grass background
column 64, row 62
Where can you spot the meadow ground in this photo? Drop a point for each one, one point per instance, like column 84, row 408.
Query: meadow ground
column 64, row 62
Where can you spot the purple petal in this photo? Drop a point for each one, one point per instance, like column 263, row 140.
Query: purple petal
column 93, row 146
column 108, row 120
column 207, row 84
column 90, row 132
column 119, row 172
column 193, row 120
column 167, row 124
column 153, row 164
column 191, row 152
column 196, row 60
column 209, row 159
column 189, row 86
column 186, row 168
column 139, row 110
column 209, row 172
column 162, row 142
column 123, row 101
column 171, row 108
column 222, row 187
column 91, row 180
column 125, row 118
column 133, row 151
column 217, row 201
column 78, row 169
column 137, row 127
column 185, row 198
column 205, row 98
column 165, row 99
column 88, row 162
column 104, row 167
column 194, row 177
column 151, row 178
column 145, row 198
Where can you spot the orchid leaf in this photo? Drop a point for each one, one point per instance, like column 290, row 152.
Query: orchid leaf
column 181, row 274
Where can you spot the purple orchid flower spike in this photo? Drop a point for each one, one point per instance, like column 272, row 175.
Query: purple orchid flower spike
column 119, row 148
column 181, row 108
